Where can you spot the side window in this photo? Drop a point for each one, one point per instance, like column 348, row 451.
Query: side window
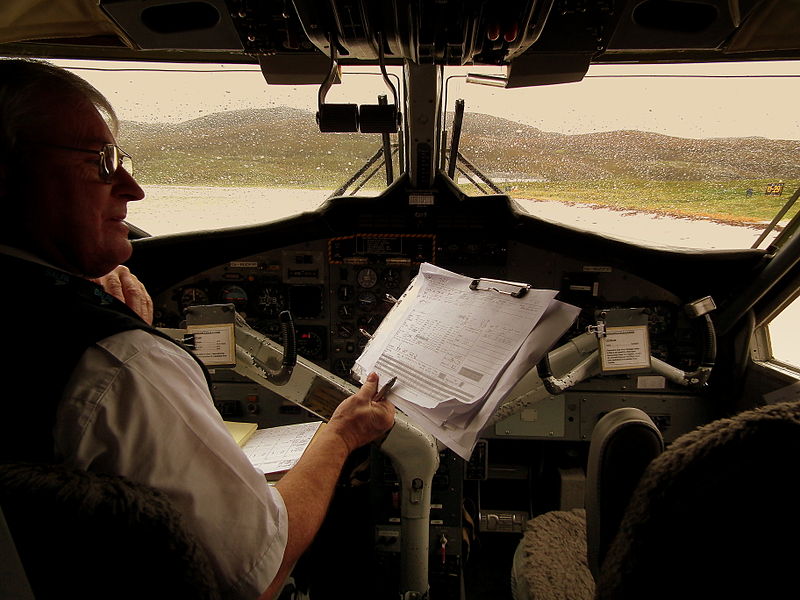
column 784, row 333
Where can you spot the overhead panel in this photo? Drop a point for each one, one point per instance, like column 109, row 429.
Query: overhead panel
column 445, row 32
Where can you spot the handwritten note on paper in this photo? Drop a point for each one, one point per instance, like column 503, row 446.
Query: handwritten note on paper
column 461, row 434
column 454, row 341
column 457, row 352
column 277, row 449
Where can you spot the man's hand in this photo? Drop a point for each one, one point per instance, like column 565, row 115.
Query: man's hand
column 125, row 287
column 308, row 487
column 362, row 418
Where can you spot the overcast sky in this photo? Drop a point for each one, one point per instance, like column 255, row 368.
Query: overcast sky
column 711, row 101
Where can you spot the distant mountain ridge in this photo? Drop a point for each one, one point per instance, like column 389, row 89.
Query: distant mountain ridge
column 282, row 145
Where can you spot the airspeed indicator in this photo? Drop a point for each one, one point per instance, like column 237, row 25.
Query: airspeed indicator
column 367, row 278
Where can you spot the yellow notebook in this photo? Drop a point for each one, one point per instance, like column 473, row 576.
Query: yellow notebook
column 241, row 432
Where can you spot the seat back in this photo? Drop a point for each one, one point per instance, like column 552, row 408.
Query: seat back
column 715, row 515
column 14, row 583
column 85, row 535
column 623, row 444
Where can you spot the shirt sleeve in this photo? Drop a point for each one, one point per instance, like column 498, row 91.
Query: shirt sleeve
column 139, row 406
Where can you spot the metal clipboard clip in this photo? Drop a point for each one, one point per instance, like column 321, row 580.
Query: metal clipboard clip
column 518, row 293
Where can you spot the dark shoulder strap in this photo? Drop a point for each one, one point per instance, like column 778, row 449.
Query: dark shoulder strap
column 51, row 318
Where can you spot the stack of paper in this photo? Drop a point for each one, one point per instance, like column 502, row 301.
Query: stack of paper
column 275, row 450
column 457, row 352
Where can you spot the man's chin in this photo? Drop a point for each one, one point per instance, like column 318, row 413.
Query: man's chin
column 105, row 262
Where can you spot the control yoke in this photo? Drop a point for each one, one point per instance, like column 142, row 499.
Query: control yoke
column 591, row 365
column 580, row 359
column 413, row 452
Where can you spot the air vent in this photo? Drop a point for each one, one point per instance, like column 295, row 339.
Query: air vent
column 674, row 25
column 180, row 17
column 675, row 15
column 176, row 25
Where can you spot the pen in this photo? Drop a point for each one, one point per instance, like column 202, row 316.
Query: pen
column 384, row 389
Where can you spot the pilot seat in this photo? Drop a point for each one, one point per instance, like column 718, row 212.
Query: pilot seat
column 85, row 535
column 713, row 516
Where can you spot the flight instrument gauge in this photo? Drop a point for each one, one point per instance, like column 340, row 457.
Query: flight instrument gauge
column 345, row 292
column 367, row 278
column 193, row 296
column 391, row 278
column 342, row 367
column 272, row 301
column 344, row 330
column 369, row 323
column 309, row 344
column 234, row 294
column 367, row 301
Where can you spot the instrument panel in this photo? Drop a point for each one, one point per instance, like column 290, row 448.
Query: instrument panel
column 338, row 290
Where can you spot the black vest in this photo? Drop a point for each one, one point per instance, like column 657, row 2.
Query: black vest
column 49, row 319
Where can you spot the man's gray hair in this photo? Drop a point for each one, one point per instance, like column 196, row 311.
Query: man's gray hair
column 25, row 85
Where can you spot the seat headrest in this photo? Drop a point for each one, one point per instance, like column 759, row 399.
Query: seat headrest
column 713, row 514
column 623, row 443
column 100, row 536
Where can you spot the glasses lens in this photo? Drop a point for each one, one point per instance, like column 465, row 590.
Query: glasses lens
column 109, row 159
column 126, row 163
column 113, row 158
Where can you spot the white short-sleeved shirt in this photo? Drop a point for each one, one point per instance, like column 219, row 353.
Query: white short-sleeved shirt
column 139, row 406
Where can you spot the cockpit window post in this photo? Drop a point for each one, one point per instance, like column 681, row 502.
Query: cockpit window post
column 423, row 83
column 458, row 117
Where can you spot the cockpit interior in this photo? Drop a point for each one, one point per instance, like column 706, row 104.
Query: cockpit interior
column 446, row 158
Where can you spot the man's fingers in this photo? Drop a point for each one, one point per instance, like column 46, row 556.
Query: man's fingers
column 112, row 284
column 126, row 287
column 136, row 295
column 370, row 386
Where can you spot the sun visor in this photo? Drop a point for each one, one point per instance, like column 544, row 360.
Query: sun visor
column 547, row 68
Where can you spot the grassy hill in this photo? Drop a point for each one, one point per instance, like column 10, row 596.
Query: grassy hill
column 282, row 147
column 264, row 147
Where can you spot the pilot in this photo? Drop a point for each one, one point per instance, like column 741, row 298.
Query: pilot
column 112, row 394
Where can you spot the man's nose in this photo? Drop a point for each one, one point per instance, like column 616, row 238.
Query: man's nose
column 125, row 185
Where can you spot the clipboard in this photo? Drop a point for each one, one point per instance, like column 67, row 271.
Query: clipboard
column 446, row 344
column 457, row 351
column 517, row 289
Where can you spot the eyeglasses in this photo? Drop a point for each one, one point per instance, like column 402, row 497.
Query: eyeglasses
column 112, row 157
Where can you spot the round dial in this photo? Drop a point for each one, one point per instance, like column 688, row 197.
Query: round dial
column 345, row 292
column 342, row 367
column 344, row 330
column 367, row 300
column 309, row 344
column 193, row 296
column 391, row 278
column 235, row 295
column 368, row 323
column 367, row 278
column 272, row 300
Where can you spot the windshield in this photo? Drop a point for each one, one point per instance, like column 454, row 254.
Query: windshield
column 699, row 156
column 215, row 146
